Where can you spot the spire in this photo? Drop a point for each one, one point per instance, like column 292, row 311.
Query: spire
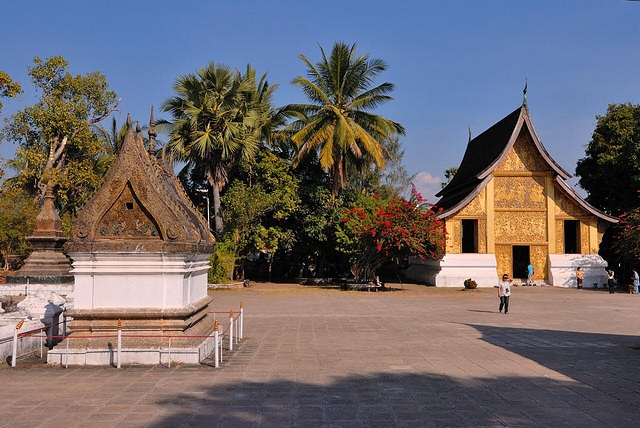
column 128, row 136
column 469, row 134
column 152, row 134
column 524, row 93
column 139, row 139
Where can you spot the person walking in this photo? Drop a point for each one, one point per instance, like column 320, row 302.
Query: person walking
column 530, row 274
column 635, row 279
column 579, row 277
column 504, row 291
column 611, row 282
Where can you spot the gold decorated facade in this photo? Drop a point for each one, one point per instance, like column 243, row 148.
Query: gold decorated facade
column 520, row 206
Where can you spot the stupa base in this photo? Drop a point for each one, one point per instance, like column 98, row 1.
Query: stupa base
column 145, row 336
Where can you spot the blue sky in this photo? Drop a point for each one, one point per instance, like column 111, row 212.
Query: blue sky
column 455, row 64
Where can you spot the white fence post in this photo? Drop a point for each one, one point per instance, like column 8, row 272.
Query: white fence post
column 169, row 352
column 220, row 341
column 241, row 320
column 216, row 344
column 119, row 343
column 230, row 330
column 66, row 355
column 41, row 338
column 14, row 354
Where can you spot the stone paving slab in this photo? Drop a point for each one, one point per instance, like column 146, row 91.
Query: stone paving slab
column 324, row 358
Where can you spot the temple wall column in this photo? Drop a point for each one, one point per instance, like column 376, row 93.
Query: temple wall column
column 551, row 214
column 491, row 237
column 593, row 236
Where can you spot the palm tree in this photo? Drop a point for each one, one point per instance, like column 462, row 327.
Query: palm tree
column 112, row 138
column 217, row 121
column 338, row 123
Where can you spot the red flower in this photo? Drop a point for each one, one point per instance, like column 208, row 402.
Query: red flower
column 379, row 246
column 376, row 197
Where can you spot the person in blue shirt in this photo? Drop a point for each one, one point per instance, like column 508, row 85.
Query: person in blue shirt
column 636, row 280
column 530, row 274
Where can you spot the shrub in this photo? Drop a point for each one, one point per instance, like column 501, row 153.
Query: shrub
column 385, row 231
column 222, row 262
column 470, row 284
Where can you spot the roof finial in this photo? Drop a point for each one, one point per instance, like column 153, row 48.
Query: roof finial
column 128, row 120
column 151, row 131
column 469, row 134
column 524, row 93
column 138, row 127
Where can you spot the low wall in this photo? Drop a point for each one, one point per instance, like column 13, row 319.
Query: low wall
column 229, row 285
column 453, row 269
column 25, row 345
column 140, row 356
column 562, row 270
column 63, row 289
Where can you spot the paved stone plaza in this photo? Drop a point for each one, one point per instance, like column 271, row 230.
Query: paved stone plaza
column 423, row 357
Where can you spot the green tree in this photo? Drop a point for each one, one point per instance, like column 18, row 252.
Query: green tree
column 112, row 138
column 610, row 171
column 258, row 204
column 56, row 145
column 8, row 88
column 17, row 215
column 338, row 124
column 449, row 173
column 393, row 180
column 218, row 120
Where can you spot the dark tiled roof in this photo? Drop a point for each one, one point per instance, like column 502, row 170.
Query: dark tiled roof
column 481, row 152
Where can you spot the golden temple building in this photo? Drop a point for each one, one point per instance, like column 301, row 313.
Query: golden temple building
column 509, row 206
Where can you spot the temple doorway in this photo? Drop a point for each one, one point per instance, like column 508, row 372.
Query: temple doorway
column 520, row 260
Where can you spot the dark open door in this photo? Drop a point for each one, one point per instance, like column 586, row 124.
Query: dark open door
column 520, row 260
column 469, row 236
column 572, row 237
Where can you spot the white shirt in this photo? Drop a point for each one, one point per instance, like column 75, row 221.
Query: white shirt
column 505, row 288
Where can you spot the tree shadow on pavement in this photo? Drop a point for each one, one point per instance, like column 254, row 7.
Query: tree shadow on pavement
column 396, row 400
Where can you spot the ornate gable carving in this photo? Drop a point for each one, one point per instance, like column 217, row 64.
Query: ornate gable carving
column 520, row 192
column 128, row 219
column 523, row 156
column 565, row 207
column 141, row 207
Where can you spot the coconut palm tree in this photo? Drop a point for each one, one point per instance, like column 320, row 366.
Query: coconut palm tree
column 217, row 121
column 338, row 123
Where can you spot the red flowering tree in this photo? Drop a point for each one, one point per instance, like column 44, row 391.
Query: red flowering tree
column 627, row 244
column 394, row 230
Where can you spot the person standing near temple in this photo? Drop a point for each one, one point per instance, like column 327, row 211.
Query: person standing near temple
column 611, row 282
column 579, row 277
column 504, row 292
column 635, row 280
column 530, row 274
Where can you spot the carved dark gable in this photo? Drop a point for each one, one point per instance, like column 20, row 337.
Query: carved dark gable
column 140, row 207
column 128, row 219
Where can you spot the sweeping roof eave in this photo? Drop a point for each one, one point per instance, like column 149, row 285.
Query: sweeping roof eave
column 572, row 194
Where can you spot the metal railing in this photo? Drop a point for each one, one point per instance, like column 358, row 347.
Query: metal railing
column 232, row 335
